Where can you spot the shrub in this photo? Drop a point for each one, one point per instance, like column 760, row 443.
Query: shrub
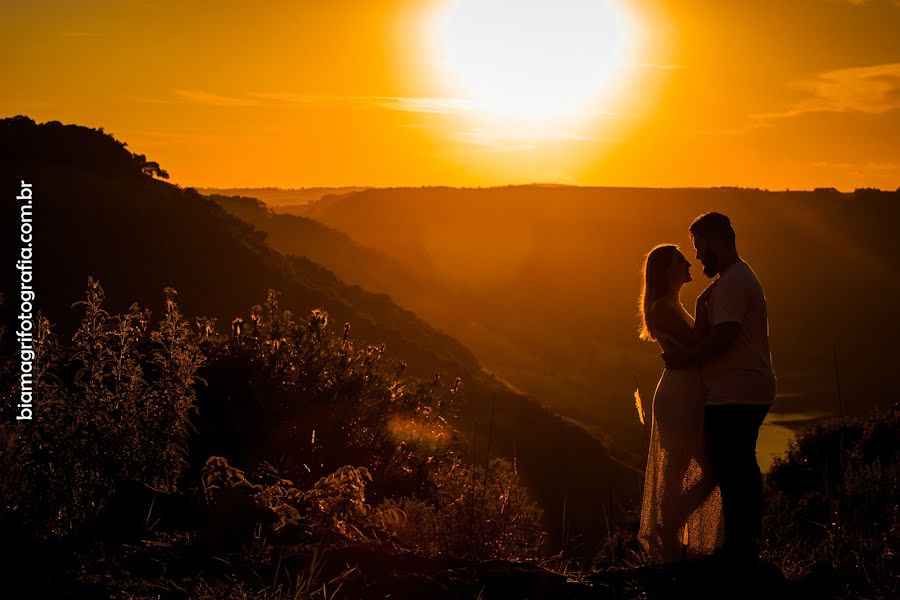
column 472, row 512
column 337, row 502
column 114, row 408
column 833, row 500
column 291, row 391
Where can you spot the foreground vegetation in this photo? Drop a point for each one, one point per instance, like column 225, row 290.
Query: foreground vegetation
column 282, row 459
column 833, row 505
column 245, row 448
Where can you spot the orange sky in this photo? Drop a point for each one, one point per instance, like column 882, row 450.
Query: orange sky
column 769, row 93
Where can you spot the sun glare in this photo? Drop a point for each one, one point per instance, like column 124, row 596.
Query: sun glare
column 535, row 59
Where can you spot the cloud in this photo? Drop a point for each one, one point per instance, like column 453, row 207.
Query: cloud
column 862, row 2
column 448, row 106
column 442, row 106
column 872, row 90
column 209, row 99
column 282, row 96
column 856, row 167
column 409, row 104
column 515, row 141
column 499, row 138
column 420, row 104
column 398, row 103
column 144, row 100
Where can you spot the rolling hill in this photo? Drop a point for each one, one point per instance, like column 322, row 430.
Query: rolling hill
column 550, row 277
column 100, row 211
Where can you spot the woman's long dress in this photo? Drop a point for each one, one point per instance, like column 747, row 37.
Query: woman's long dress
column 681, row 514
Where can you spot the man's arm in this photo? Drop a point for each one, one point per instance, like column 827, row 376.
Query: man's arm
column 726, row 312
column 719, row 339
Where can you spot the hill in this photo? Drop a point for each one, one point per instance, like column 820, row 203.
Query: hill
column 100, row 213
column 551, row 276
column 372, row 270
column 287, row 198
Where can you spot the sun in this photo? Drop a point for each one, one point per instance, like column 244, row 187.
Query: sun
column 534, row 59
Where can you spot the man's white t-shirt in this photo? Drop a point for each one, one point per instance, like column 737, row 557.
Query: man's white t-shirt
column 743, row 374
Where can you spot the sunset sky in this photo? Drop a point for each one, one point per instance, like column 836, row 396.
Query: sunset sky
column 764, row 93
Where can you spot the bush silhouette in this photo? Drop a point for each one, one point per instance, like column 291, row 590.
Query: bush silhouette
column 133, row 402
column 114, row 408
column 831, row 503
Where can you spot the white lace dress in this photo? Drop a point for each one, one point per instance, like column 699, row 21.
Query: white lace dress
column 681, row 514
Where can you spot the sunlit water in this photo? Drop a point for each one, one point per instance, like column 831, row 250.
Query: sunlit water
column 777, row 432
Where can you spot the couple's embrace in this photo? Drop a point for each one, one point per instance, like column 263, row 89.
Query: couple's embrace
column 703, row 487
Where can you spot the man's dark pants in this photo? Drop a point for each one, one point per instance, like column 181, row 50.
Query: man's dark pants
column 731, row 432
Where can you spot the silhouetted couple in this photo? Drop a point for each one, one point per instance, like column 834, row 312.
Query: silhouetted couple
column 703, row 488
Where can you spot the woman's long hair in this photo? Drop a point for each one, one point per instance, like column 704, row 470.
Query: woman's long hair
column 655, row 283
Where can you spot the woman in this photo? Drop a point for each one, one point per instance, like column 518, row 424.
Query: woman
column 681, row 515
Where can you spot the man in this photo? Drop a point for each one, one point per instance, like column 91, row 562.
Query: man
column 736, row 367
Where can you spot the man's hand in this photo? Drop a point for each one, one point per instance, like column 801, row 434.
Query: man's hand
column 720, row 339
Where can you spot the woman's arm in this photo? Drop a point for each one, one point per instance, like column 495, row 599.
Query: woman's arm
column 665, row 317
column 720, row 338
column 711, row 340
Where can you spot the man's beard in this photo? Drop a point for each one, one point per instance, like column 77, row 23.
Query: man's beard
column 710, row 265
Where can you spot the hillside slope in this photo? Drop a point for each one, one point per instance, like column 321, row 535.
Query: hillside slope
column 98, row 212
column 551, row 278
